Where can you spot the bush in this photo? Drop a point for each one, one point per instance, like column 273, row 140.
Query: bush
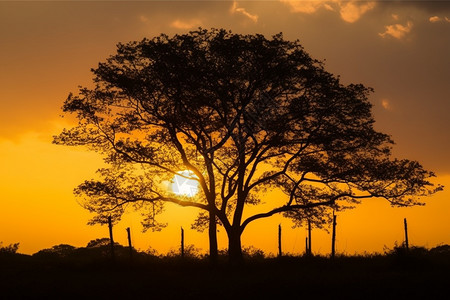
column 10, row 249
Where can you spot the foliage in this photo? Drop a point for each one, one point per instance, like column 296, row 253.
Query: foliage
column 441, row 249
column 252, row 252
column 317, row 278
column 152, row 252
column 190, row 251
column 246, row 115
column 10, row 249
column 61, row 250
column 100, row 243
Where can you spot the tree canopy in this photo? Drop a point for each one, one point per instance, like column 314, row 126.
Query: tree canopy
column 246, row 115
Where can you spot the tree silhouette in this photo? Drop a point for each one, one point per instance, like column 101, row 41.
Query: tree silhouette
column 10, row 249
column 245, row 115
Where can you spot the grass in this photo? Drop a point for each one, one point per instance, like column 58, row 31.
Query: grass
column 88, row 274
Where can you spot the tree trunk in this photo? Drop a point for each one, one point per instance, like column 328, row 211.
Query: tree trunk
column 111, row 239
column 406, row 234
column 234, row 247
column 333, row 237
column 213, row 248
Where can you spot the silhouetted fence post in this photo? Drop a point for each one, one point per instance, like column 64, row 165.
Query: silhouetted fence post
column 111, row 239
column 130, row 246
column 406, row 234
column 182, row 242
column 309, row 238
column 280, row 253
column 333, row 237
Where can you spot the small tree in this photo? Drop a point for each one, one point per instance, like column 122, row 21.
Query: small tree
column 245, row 115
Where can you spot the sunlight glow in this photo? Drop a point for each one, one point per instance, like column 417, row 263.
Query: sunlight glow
column 184, row 186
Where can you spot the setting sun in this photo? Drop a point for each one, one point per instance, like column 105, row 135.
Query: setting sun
column 184, row 186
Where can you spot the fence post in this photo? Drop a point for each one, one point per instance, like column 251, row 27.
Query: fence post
column 129, row 243
column 182, row 242
column 309, row 238
column 280, row 253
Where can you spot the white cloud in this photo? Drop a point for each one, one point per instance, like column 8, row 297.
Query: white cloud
column 241, row 10
column 350, row 11
column 178, row 24
column 397, row 31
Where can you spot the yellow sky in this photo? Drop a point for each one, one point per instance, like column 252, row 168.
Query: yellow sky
column 48, row 48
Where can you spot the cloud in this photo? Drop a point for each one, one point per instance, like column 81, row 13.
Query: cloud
column 143, row 19
column 397, row 31
column 436, row 19
column 178, row 24
column 386, row 104
column 307, row 7
column 241, row 10
column 350, row 11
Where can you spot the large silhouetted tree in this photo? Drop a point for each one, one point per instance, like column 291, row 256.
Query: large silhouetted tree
column 246, row 115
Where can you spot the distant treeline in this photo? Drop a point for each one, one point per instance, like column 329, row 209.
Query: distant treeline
column 99, row 250
column 68, row 272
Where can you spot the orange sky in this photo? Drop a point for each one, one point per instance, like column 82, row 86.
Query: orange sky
column 47, row 49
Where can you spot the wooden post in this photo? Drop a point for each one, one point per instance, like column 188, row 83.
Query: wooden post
column 333, row 237
column 182, row 242
column 280, row 253
column 129, row 243
column 406, row 234
column 309, row 238
column 111, row 239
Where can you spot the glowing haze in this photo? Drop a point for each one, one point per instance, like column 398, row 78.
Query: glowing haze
column 47, row 49
column 185, row 184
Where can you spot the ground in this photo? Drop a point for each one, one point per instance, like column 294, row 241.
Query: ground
column 392, row 276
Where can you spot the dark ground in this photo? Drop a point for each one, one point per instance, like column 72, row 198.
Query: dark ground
column 415, row 275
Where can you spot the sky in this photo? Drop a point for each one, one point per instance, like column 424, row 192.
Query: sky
column 399, row 48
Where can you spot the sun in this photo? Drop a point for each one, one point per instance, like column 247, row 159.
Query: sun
column 184, row 186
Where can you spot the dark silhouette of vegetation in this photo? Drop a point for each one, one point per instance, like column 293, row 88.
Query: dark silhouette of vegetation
column 245, row 115
column 10, row 249
column 65, row 271
column 98, row 243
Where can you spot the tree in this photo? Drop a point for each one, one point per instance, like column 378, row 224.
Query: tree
column 101, row 242
column 61, row 250
column 245, row 115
